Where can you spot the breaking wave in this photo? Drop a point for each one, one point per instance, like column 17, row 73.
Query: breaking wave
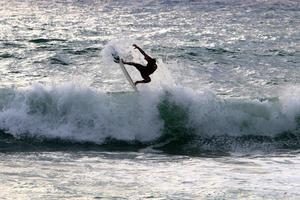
column 175, row 120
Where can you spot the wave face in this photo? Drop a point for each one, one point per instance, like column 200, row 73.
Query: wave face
column 173, row 120
column 205, row 122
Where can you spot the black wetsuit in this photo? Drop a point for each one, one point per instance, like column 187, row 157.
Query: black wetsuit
column 145, row 70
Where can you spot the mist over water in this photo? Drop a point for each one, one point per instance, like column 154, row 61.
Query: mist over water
column 219, row 120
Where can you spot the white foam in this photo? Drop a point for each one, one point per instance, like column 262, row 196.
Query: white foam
column 290, row 100
column 211, row 115
column 81, row 114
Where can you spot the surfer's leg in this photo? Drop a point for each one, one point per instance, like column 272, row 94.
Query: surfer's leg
column 147, row 79
column 143, row 71
column 139, row 67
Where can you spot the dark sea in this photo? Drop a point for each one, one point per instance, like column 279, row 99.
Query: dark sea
column 219, row 120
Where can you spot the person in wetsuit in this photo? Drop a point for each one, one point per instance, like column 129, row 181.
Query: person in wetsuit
column 145, row 71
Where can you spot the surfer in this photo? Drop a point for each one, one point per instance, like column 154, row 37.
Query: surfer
column 145, row 71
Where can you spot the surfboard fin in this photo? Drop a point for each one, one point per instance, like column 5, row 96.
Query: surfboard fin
column 116, row 57
column 117, row 60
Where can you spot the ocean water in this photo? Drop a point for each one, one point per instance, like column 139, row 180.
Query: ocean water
column 220, row 119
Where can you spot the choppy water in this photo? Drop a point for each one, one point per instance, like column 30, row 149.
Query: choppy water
column 220, row 120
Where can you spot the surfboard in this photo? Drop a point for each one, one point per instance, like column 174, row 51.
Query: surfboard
column 124, row 70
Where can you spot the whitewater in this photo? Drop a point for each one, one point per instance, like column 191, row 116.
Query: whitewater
column 219, row 120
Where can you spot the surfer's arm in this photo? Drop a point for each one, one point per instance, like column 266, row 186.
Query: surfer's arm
column 147, row 57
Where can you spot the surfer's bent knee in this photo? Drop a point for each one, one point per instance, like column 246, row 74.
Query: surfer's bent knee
column 147, row 79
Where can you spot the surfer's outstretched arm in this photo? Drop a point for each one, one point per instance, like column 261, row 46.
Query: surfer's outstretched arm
column 147, row 57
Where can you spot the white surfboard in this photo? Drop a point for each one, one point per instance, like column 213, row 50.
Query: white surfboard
column 125, row 72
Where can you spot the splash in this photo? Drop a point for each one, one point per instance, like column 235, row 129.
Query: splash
column 123, row 47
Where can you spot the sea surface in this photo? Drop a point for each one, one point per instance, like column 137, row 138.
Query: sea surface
column 219, row 120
